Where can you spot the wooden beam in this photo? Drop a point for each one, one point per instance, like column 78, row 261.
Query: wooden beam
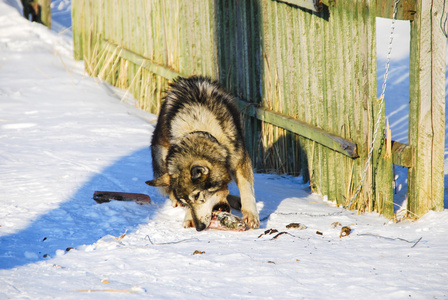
column 45, row 11
column 139, row 60
column 308, row 131
column 406, row 9
column 427, row 107
column 402, row 154
column 313, row 5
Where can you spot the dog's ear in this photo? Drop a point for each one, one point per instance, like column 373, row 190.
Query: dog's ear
column 163, row 180
column 198, row 172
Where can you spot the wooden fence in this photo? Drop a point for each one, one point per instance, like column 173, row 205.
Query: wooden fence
column 305, row 81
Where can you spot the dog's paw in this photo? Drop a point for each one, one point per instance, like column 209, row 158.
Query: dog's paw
column 188, row 223
column 188, row 220
column 252, row 220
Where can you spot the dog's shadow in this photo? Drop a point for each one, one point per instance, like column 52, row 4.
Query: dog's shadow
column 80, row 220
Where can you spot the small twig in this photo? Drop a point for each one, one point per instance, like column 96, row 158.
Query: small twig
column 101, row 74
column 285, row 232
column 301, row 214
column 169, row 243
column 408, row 212
column 269, row 231
column 42, row 72
column 309, row 214
column 69, row 74
column 415, row 242
column 279, row 234
column 64, row 31
column 105, row 291
column 121, row 236
column 132, row 82
column 272, row 231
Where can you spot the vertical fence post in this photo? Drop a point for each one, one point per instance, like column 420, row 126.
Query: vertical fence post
column 45, row 12
column 77, row 27
column 427, row 107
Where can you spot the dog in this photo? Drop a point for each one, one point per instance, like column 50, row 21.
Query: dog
column 198, row 149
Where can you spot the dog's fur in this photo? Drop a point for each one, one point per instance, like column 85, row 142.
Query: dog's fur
column 198, row 148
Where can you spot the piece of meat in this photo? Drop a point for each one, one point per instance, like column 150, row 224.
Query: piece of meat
column 222, row 220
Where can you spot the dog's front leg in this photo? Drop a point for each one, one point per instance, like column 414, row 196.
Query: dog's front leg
column 245, row 183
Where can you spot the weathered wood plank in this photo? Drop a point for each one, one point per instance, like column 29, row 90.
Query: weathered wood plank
column 402, row 154
column 45, row 12
column 427, row 108
column 141, row 61
column 341, row 106
column 77, row 29
column 382, row 173
column 406, row 9
column 313, row 5
column 322, row 137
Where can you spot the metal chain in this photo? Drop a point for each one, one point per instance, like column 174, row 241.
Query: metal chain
column 381, row 101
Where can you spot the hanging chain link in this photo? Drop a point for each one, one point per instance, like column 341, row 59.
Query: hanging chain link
column 381, row 101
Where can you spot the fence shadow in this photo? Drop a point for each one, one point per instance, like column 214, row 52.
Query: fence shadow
column 240, row 63
column 285, row 157
column 80, row 220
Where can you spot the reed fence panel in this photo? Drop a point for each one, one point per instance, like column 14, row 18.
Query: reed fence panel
column 305, row 80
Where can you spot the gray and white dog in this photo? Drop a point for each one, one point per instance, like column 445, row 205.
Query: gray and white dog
column 198, row 148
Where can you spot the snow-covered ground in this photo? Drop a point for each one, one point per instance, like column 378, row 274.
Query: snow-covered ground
column 64, row 135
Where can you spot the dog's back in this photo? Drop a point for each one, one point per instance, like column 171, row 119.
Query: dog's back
column 197, row 104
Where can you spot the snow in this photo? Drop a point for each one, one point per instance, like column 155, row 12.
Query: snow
column 64, row 135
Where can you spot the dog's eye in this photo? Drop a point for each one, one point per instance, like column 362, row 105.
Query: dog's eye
column 197, row 197
column 194, row 196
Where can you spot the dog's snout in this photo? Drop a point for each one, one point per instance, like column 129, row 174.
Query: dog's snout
column 200, row 226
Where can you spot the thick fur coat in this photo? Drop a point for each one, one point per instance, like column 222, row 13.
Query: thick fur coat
column 198, row 148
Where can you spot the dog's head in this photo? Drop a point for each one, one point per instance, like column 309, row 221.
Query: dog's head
column 198, row 176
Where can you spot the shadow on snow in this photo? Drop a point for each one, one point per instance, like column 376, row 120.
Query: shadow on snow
column 80, row 220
